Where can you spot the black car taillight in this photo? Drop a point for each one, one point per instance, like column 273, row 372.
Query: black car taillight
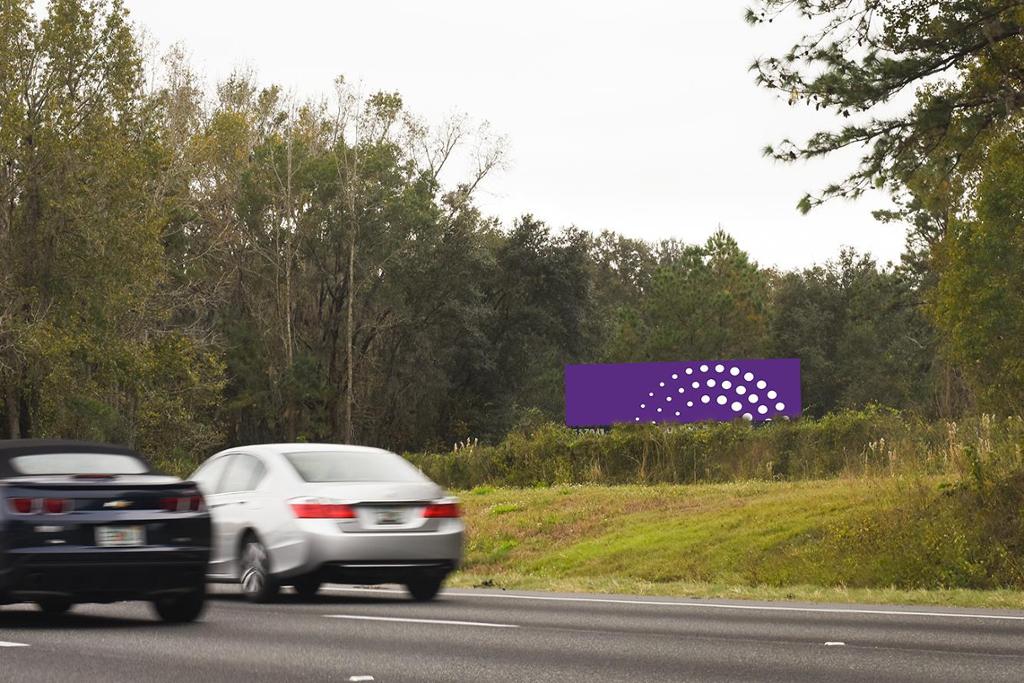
column 22, row 506
column 56, row 506
column 46, row 506
column 193, row 503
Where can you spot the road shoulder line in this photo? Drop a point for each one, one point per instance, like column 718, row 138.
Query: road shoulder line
column 704, row 605
column 404, row 620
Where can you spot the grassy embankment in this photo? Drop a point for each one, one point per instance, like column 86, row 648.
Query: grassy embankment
column 886, row 540
column 866, row 507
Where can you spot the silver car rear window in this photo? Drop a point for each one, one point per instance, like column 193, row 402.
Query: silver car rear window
column 77, row 463
column 339, row 466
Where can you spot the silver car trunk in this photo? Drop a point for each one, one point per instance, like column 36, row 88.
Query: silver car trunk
column 383, row 507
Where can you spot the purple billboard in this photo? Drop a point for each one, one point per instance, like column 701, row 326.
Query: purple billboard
column 691, row 391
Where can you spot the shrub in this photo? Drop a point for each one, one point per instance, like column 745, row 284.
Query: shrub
column 865, row 442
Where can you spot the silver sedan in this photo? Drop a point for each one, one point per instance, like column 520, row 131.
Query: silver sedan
column 304, row 514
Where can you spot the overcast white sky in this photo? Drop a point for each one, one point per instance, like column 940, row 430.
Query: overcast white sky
column 637, row 116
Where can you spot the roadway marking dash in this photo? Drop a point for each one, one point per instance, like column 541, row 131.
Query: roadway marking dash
column 360, row 678
column 834, row 643
column 4, row 643
column 703, row 605
column 364, row 617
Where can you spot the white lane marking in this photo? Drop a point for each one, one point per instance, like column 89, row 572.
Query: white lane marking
column 4, row 643
column 420, row 621
column 830, row 643
column 360, row 678
column 705, row 605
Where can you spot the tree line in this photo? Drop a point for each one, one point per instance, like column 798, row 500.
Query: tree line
column 182, row 269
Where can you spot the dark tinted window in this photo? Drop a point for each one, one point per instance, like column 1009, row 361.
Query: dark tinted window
column 210, row 474
column 78, row 463
column 315, row 466
column 244, row 474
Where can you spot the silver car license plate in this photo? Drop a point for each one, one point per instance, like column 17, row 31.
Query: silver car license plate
column 390, row 517
column 120, row 536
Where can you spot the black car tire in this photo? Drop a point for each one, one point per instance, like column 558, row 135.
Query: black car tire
column 254, row 571
column 424, row 588
column 55, row 606
column 181, row 609
column 307, row 586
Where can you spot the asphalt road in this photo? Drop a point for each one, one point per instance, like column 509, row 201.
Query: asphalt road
column 470, row 635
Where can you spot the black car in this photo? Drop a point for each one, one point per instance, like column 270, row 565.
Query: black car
column 86, row 522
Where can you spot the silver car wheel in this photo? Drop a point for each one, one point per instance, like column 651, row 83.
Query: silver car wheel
column 255, row 579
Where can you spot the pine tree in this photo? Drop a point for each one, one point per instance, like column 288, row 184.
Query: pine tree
column 964, row 59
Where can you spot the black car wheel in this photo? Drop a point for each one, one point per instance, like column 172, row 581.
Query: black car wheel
column 424, row 588
column 55, row 606
column 257, row 584
column 307, row 586
column 181, row 609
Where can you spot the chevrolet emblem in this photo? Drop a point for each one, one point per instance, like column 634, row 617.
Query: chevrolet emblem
column 118, row 504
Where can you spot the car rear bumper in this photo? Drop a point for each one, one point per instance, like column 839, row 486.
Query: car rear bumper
column 107, row 575
column 382, row 571
column 377, row 557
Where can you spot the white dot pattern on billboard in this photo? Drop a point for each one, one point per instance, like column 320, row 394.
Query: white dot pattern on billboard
column 744, row 384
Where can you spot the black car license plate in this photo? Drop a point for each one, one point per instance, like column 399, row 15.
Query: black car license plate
column 120, row 536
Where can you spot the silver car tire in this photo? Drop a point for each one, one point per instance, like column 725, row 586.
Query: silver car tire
column 307, row 587
column 254, row 571
column 424, row 588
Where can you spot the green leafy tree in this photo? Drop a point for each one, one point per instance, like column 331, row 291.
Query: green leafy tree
column 860, row 333
column 962, row 59
column 540, row 318
column 87, row 340
column 980, row 300
column 929, row 93
column 330, row 251
column 703, row 302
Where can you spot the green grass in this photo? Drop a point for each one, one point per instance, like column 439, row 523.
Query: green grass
column 885, row 540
